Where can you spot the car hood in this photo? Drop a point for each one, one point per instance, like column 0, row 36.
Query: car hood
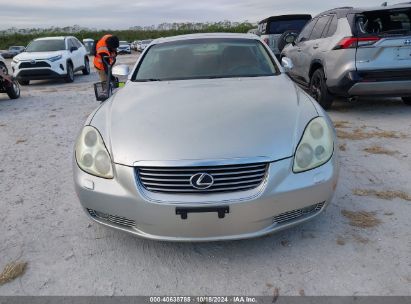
column 37, row 55
column 216, row 119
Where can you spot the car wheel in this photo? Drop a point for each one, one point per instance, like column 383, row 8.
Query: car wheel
column 24, row 82
column 319, row 90
column 407, row 100
column 86, row 70
column 13, row 91
column 70, row 73
column 3, row 67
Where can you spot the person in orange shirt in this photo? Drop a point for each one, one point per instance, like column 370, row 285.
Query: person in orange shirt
column 106, row 46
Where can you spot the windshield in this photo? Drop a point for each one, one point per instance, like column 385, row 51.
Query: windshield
column 205, row 58
column 15, row 48
column 46, row 45
column 123, row 43
column 385, row 22
column 146, row 41
column 281, row 26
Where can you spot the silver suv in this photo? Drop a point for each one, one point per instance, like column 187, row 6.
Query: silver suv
column 352, row 52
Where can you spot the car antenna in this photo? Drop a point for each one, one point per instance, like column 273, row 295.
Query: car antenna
column 384, row 4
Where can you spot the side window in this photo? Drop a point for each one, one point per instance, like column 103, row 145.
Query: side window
column 306, row 32
column 332, row 27
column 77, row 43
column 70, row 43
column 319, row 27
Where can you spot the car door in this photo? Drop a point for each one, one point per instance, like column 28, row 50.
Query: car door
column 313, row 47
column 74, row 53
column 296, row 52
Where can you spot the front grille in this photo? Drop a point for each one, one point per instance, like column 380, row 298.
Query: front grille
column 177, row 180
column 37, row 64
column 122, row 221
column 295, row 214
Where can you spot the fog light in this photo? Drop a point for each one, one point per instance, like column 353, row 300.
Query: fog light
column 309, row 209
column 101, row 215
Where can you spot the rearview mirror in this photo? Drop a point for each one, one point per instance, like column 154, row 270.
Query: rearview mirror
column 121, row 70
column 287, row 64
column 73, row 48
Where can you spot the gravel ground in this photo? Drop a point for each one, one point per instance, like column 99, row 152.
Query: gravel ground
column 343, row 252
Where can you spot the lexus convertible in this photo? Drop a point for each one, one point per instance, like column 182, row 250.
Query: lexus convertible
column 208, row 140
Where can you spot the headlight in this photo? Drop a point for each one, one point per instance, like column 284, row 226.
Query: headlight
column 15, row 60
column 92, row 155
column 316, row 146
column 55, row 58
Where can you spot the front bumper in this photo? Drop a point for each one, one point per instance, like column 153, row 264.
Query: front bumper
column 41, row 69
column 122, row 204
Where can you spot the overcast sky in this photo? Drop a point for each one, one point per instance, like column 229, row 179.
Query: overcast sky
column 126, row 13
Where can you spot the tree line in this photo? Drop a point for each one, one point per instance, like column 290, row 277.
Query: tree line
column 23, row 37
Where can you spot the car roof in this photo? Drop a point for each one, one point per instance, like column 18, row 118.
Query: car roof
column 342, row 12
column 53, row 38
column 206, row 36
column 286, row 17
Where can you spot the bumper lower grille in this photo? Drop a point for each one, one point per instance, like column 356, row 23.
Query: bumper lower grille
column 122, row 221
column 218, row 179
column 36, row 64
column 295, row 214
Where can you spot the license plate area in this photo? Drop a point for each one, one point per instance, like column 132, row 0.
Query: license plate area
column 403, row 53
column 221, row 211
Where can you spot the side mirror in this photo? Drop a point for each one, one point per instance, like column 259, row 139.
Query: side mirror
column 121, row 70
column 73, row 48
column 287, row 64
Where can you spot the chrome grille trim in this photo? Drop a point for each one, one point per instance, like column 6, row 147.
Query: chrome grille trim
column 228, row 178
column 295, row 214
column 118, row 220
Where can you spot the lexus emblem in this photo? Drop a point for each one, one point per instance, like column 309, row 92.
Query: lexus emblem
column 202, row 181
column 33, row 62
column 407, row 42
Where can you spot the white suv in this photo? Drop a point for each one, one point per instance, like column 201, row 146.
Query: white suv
column 51, row 57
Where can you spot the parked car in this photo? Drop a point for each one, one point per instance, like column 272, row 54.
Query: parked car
column 124, row 48
column 352, row 52
column 138, row 45
column 278, row 31
column 253, row 31
column 144, row 44
column 190, row 150
column 51, row 57
column 7, row 84
column 89, row 44
column 13, row 51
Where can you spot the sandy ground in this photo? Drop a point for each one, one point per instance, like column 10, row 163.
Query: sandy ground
column 342, row 252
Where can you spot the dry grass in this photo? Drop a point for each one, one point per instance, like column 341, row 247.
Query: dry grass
column 361, row 219
column 359, row 134
column 12, row 271
column 380, row 150
column 387, row 195
column 340, row 241
column 341, row 124
column 360, row 239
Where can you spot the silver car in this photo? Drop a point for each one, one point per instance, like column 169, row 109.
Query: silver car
column 352, row 52
column 209, row 140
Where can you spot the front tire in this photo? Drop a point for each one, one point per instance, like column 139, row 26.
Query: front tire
column 86, row 70
column 70, row 73
column 13, row 91
column 407, row 100
column 319, row 90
